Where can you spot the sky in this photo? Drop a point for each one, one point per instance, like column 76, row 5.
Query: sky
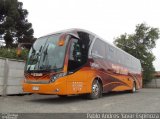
column 106, row 18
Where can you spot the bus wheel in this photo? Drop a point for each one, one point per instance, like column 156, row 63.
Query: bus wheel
column 96, row 90
column 133, row 88
column 62, row 96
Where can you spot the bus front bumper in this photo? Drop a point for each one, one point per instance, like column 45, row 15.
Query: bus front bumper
column 50, row 88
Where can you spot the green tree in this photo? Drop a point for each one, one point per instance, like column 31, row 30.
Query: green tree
column 140, row 45
column 14, row 26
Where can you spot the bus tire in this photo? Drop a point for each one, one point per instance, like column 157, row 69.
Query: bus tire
column 96, row 90
column 133, row 87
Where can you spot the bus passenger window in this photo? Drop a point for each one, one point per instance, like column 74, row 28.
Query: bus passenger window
column 98, row 49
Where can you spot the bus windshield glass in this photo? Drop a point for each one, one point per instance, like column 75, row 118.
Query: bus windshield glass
column 46, row 54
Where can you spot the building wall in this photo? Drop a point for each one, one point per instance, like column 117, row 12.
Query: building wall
column 11, row 76
column 2, row 43
column 155, row 83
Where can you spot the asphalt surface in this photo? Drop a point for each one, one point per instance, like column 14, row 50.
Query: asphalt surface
column 146, row 100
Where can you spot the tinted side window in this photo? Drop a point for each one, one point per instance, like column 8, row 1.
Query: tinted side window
column 112, row 54
column 99, row 48
column 85, row 40
column 107, row 52
column 85, row 37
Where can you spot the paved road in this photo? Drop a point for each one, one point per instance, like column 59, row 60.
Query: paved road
column 146, row 100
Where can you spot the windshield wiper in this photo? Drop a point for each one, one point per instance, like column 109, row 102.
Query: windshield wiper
column 35, row 58
column 45, row 59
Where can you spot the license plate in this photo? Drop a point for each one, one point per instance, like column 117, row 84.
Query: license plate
column 35, row 88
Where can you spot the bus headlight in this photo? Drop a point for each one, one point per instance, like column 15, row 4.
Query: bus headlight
column 55, row 77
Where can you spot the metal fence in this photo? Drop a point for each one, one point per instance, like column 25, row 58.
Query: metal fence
column 155, row 83
column 11, row 76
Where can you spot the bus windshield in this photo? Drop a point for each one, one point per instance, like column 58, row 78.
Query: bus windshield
column 46, row 54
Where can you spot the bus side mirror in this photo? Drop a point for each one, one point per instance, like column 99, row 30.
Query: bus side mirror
column 21, row 46
column 19, row 51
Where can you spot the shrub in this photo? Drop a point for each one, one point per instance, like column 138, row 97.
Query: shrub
column 11, row 53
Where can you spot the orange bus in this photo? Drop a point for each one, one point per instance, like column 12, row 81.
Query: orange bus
column 77, row 61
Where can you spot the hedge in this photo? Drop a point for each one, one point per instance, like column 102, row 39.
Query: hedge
column 11, row 53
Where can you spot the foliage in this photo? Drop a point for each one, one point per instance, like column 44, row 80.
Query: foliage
column 14, row 26
column 140, row 45
column 11, row 53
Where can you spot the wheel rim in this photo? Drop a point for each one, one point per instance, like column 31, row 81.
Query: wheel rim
column 95, row 89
